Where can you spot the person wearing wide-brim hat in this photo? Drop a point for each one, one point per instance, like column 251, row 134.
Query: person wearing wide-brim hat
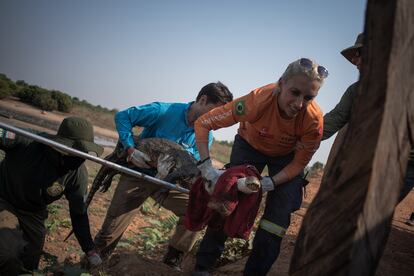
column 354, row 51
column 33, row 175
column 335, row 119
column 338, row 117
column 77, row 133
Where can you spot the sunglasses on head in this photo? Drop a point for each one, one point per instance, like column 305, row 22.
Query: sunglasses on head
column 308, row 64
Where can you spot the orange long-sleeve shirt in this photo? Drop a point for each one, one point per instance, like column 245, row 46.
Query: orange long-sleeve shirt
column 262, row 126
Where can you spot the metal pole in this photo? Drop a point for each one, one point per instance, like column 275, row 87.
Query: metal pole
column 96, row 159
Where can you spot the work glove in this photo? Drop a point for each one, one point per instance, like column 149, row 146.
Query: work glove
column 209, row 173
column 248, row 185
column 93, row 258
column 139, row 159
column 251, row 184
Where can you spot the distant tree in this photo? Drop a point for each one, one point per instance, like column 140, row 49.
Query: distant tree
column 14, row 89
column 224, row 142
column 4, row 89
column 29, row 93
column 38, row 96
column 42, row 98
column 26, row 94
column 64, row 101
column 7, row 86
column 45, row 101
column 21, row 83
column 317, row 166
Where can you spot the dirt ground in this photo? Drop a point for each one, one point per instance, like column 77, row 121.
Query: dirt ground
column 132, row 256
column 398, row 257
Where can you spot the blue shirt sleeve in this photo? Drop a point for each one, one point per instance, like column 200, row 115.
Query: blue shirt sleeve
column 210, row 139
column 143, row 116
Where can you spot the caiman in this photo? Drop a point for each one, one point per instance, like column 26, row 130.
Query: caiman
column 173, row 164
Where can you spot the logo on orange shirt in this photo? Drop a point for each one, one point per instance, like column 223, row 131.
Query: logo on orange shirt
column 240, row 108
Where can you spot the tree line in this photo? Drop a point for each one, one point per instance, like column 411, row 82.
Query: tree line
column 45, row 99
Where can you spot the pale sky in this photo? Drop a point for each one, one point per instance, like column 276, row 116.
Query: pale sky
column 124, row 53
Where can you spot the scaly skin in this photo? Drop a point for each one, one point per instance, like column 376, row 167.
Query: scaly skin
column 174, row 164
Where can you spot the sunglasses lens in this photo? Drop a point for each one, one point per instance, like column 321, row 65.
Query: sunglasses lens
column 305, row 62
column 308, row 64
column 323, row 72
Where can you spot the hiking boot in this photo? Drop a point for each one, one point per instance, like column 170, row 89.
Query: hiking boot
column 173, row 258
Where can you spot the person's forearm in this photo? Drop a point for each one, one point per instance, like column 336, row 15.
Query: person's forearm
column 280, row 178
column 124, row 128
column 80, row 224
column 333, row 122
column 203, row 150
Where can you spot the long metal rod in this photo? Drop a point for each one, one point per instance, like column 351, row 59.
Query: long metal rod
column 96, row 159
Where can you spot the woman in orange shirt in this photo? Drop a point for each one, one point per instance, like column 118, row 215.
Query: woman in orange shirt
column 272, row 118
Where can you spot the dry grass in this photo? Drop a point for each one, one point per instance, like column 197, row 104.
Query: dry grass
column 98, row 118
column 220, row 152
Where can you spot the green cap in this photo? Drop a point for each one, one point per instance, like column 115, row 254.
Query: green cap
column 349, row 52
column 77, row 133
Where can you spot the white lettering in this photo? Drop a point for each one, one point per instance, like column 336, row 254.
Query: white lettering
column 217, row 117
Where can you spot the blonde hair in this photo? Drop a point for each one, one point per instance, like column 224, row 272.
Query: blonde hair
column 295, row 69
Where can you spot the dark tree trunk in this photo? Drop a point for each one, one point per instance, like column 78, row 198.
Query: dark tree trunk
column 346, row 227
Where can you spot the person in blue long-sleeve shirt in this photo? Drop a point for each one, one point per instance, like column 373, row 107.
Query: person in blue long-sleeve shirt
column 173, row 121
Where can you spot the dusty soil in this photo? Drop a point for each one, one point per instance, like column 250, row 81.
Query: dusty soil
column 132, row 256
column 398, row 257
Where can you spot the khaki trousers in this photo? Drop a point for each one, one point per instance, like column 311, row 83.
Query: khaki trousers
column 129, row 195
column 22, row 235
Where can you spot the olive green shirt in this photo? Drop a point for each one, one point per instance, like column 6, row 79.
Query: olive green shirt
column 31, row 176
column 334, row 120
column 338, row 117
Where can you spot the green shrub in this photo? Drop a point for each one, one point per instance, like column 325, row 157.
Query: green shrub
column 64, row 101
column 3, row 92
column 4, row 89
column 52, row 99
column 317, row 166
column 44, row 100
column 28, row 93
column 21, row 83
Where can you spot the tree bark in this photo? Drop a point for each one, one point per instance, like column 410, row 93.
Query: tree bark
column 345, row 229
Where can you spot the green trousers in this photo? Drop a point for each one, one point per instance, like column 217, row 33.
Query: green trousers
column 22, row 235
